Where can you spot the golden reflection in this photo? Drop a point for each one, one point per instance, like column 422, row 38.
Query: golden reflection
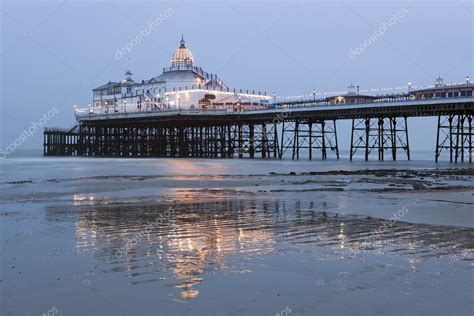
column 193, row 237
column 82, row 199
column 196, row 239
column 189, row 293
column 191, row 167
column 342, row 237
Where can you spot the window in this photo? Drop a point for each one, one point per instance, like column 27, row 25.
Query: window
column 113, row 91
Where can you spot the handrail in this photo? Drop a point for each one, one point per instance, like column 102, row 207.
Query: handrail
column 134, row 108
column 59, row 130
column 166, row 111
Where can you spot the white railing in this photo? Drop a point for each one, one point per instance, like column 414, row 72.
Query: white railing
column 125, row 108
column 151, row 108
column 134, row 109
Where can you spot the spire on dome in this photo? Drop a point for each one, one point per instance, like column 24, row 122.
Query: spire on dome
column 352, row 89
column 439, row 82
column 182, row 56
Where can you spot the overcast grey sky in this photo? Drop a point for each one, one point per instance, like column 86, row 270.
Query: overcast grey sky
column 54, row 52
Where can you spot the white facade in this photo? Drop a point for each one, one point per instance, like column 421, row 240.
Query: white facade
column 181, row 86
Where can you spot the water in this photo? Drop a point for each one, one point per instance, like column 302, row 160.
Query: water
column 228, row 237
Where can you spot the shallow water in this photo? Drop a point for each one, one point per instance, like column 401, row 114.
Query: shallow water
column 159, row 238
column 29, row 165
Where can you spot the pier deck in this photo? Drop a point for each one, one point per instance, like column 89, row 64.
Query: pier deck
column 296, row 127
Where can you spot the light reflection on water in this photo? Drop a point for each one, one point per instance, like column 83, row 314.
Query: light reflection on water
column 186, row 243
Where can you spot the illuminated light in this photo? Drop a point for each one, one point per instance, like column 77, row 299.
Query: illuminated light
column 249, row 95
column 190, row 293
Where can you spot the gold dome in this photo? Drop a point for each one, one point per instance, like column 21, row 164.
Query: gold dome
column 182, row 55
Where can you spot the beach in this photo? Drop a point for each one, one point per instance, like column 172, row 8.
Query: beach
column 235, row 237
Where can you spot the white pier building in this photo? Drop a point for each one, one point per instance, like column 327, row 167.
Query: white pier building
column 181, row 86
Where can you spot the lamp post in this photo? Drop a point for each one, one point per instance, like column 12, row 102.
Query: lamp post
column 274, row 97
column 467, row 85
column 409, row 87
column 314, row 95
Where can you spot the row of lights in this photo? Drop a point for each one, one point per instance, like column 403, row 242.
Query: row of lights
column 314, row 93
column 409, row 86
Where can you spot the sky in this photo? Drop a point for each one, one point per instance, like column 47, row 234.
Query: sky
column 53, row 53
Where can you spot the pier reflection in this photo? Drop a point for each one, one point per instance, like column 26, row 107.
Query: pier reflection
column 183, row 244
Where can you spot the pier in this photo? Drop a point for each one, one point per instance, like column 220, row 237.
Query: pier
column 188, row 112
column 285, row 129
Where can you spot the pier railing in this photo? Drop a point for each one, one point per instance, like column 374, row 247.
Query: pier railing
column 295, row 105
column 133, row 110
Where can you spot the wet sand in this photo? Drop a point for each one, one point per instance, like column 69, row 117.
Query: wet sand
column 213, row 240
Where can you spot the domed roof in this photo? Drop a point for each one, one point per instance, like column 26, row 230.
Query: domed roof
column 182, row 55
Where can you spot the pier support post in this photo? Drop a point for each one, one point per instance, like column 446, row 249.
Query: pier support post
column 323, row 141
column 307, row 135
column 382, row 134
column 276, row 147
column 251, row 141
column 454, row 134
